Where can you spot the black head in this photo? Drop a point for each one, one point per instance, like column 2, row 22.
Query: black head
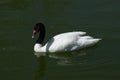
column 39, row 27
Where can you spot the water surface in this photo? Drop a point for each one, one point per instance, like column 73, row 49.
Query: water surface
column 97, row 18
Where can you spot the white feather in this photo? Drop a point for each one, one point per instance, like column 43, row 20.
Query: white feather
column 66, row 42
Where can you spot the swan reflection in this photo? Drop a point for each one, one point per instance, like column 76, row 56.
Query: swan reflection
column 41, row 68
column 63, row 58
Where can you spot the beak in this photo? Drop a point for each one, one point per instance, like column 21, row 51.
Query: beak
column 33, row 36
column 34, row 33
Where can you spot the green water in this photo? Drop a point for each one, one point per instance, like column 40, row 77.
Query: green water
column 99, row 18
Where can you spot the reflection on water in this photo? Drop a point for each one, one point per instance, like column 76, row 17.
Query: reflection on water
column 41, row 68
column 68, row 58
column 62, row 58
column 65, row 59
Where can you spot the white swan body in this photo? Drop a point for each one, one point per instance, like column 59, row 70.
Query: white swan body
column 68, row 41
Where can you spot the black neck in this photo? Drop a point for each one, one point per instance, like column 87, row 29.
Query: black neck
column 41, row 35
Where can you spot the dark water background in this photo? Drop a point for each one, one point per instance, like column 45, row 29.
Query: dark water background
column 99, row 18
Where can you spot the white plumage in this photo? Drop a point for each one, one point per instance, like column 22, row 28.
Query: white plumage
column 68, row 41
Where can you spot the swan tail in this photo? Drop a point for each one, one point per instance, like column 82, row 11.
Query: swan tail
column 88, row 41
column 96, row 40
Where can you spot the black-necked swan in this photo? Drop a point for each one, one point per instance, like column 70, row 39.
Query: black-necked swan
column 68, row 41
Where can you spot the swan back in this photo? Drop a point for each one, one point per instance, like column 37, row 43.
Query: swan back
column 68, row 42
